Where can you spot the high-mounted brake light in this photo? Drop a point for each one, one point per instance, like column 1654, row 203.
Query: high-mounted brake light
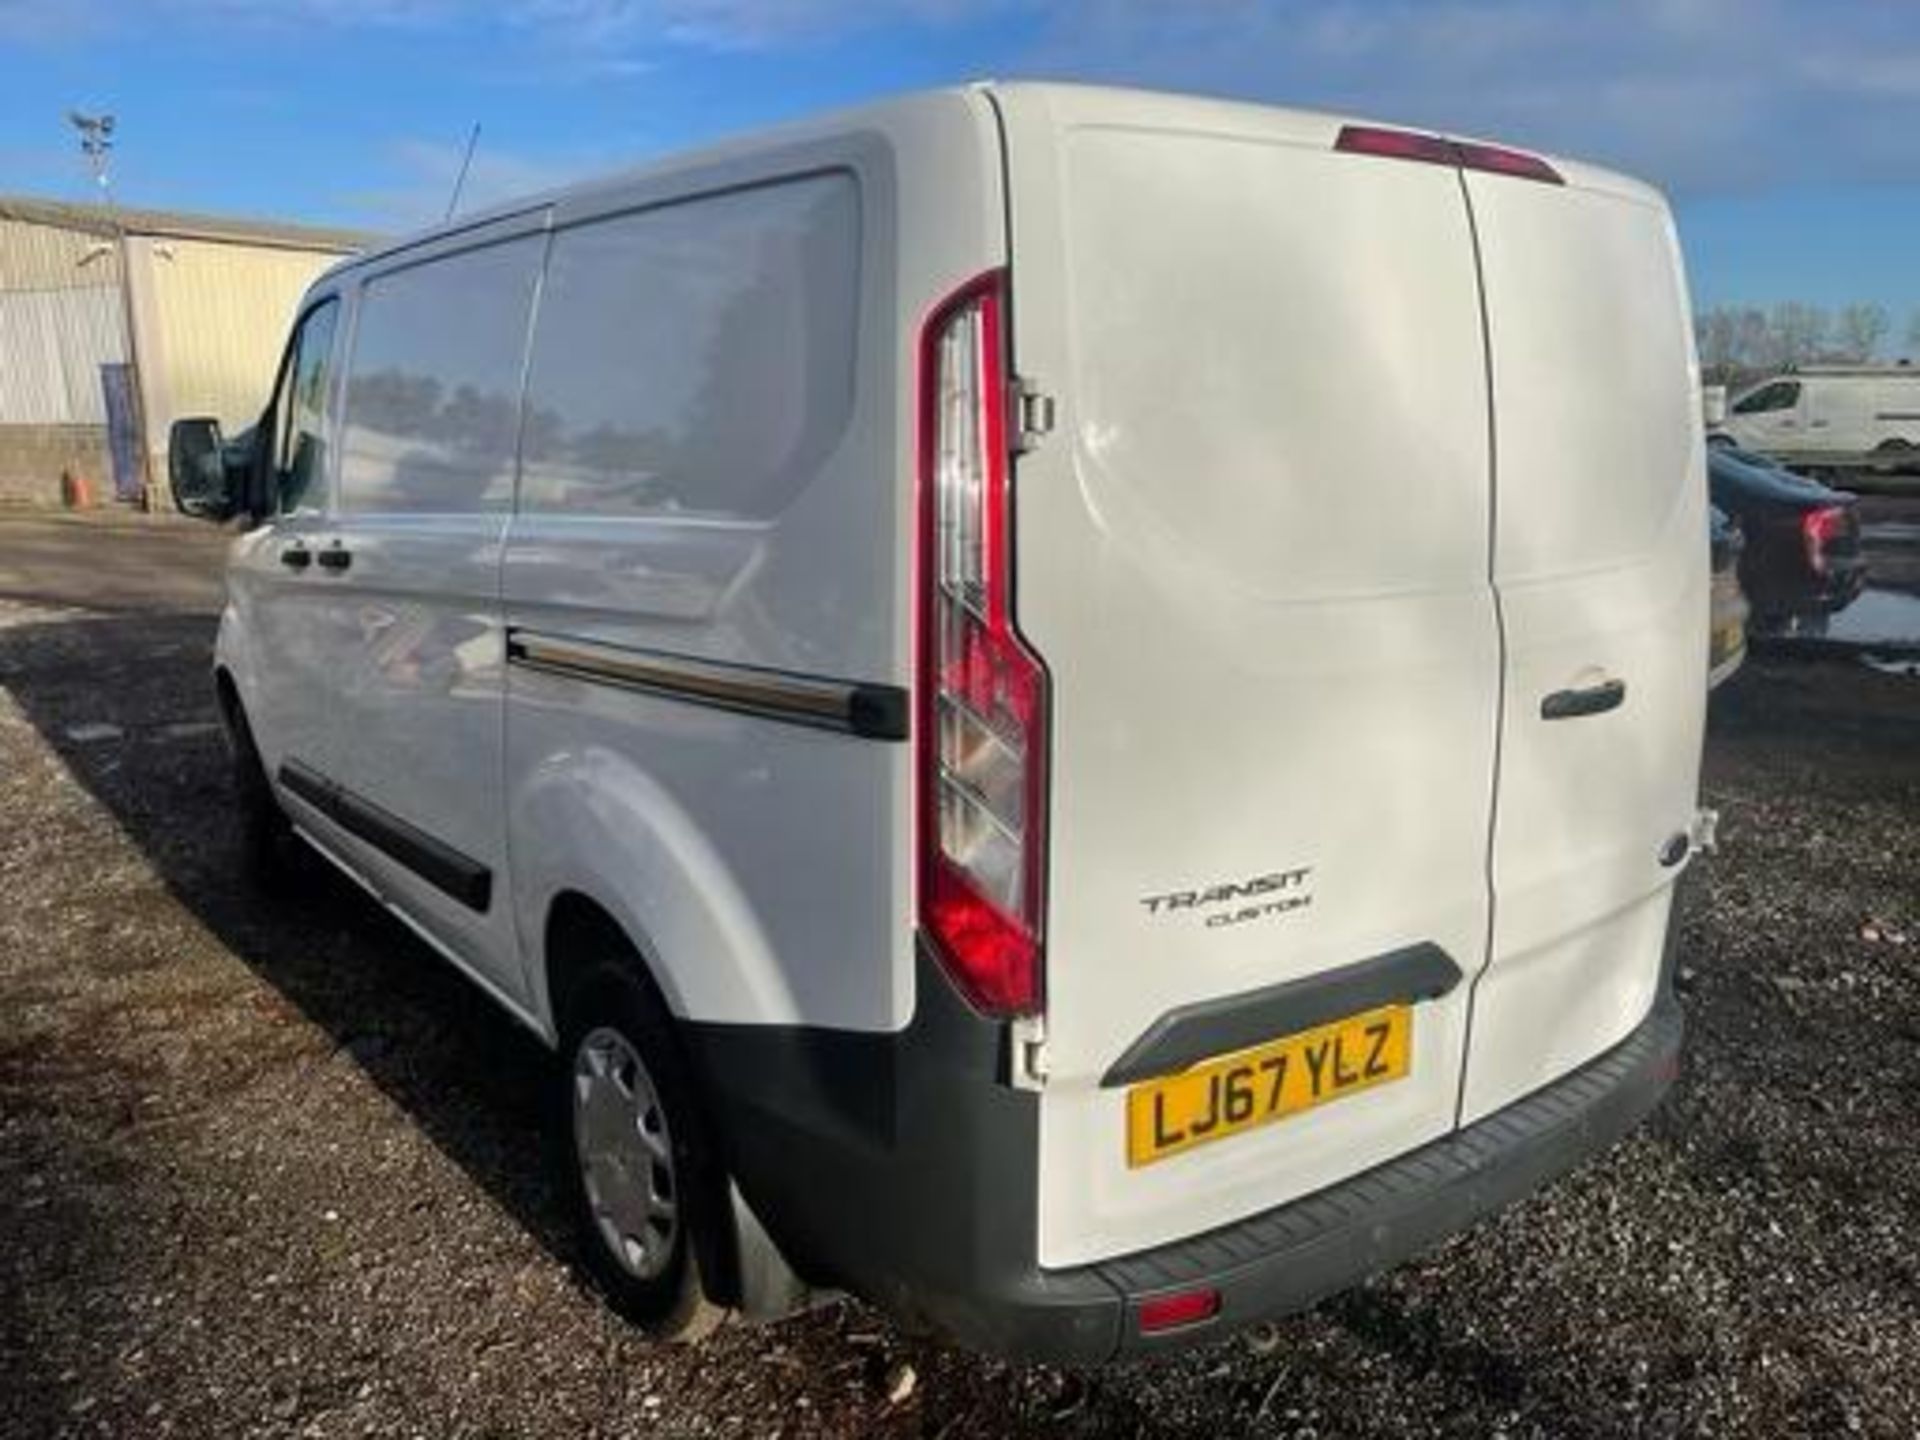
column 980, row 728
column 1438, row 150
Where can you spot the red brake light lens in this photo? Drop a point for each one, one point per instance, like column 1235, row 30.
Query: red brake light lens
column 1396, row 144
column 1172, row 1312
column 1502, row 161
column 982, row 700
column 1817, row 530
column 1438, row 150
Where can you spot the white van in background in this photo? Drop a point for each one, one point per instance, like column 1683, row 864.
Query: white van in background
column 1077, row 711
column 1830, row 409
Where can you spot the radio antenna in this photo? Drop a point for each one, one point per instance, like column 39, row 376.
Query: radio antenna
column 460, row 180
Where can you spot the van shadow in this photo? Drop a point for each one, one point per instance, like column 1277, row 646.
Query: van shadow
column 470, row 1078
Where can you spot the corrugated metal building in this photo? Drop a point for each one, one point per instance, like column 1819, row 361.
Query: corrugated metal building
column 114, row 323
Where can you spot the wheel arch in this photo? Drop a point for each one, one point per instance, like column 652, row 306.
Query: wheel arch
column 597, row 840
column 226, row 693
column 577, row 934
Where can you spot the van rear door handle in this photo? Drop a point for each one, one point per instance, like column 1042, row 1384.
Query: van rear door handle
column 335, row 558
column 1592, row 700
column 296, row 557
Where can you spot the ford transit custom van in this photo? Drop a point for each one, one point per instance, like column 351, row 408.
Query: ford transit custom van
column 1075, row 711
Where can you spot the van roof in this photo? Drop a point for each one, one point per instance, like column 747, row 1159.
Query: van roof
column 1074, row 104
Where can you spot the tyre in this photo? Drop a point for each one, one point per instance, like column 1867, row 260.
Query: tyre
column 269, row 851
column 638, row 1167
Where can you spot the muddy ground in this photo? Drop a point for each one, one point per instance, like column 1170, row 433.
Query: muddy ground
column 274, row 1170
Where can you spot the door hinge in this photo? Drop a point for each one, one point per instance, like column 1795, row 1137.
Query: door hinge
column 1703, row 836
column 1027, row 1061
column 1032, row 414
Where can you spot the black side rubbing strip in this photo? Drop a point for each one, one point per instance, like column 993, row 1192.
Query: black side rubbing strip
column 853, row 707
column 433, row 860
column 1207, row 1028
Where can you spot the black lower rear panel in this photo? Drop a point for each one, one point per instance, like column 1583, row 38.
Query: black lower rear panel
column 900, row 1167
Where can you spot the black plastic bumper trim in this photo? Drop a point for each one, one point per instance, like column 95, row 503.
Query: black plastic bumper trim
column 1288, row 1258
column 432, row 859
column 1207, row 1028
column 900, row 1167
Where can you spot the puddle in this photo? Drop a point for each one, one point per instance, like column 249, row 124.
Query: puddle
column 1879, row 618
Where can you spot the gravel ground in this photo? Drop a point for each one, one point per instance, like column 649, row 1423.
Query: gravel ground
column 274, row 1170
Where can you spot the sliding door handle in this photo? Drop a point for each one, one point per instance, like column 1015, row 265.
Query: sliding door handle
column 1590, row 700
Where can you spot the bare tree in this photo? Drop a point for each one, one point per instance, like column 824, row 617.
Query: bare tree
column 1717, row 336
column 1742, row 343
column 1799, row 331
column 1859, row 331
column 1755, row 346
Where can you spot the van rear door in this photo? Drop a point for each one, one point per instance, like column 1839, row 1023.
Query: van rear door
column 1253, row 551
column 1600, row 558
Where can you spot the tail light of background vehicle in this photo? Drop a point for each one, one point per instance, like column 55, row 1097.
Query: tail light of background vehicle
column 982, row 695
column 1818, row 529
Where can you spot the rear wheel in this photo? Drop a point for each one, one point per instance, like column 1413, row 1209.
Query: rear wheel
column 637, row 1166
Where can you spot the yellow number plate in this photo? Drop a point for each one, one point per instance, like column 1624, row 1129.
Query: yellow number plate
column 1244, row 1091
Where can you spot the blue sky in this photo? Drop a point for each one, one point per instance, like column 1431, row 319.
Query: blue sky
column 1787, row 131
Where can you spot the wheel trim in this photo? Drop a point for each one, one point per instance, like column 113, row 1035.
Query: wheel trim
column 624, row 1152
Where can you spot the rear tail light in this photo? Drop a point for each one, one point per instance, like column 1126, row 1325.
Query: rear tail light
column 982, row 695
column 1818, row 529
column 1178, row 1310
column 1438, row 150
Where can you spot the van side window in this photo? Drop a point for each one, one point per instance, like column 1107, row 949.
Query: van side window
column 433, row 391
column 696, row 359
column 300, row 446
column 1780, row 395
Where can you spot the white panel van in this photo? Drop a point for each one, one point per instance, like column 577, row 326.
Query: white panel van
column 1832, row 410
column 1075, row 711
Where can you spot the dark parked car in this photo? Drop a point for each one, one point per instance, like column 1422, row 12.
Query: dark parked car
column 1802, row 558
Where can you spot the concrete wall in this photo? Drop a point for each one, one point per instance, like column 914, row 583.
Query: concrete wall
column 32, row 458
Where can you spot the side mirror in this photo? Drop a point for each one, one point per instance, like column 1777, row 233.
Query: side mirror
column 197, row 470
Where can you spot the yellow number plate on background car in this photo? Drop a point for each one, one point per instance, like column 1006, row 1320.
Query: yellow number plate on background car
column 1244, row 1091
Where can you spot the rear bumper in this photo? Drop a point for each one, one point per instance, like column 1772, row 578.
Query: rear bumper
column 902, row 1171
column 1290, row 1257
column 1785, row 593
